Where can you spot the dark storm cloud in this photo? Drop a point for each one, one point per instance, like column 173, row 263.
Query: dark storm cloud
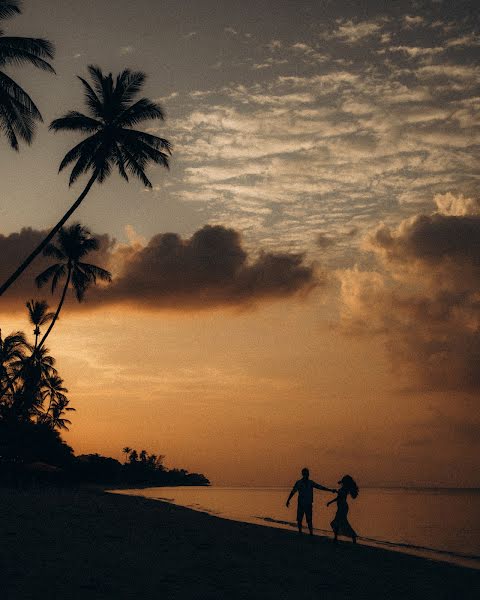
column 210, row 269
column 433, row 239
column 425, row 302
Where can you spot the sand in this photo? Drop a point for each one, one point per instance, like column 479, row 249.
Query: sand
column 68, row 544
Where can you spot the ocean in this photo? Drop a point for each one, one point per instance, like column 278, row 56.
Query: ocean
column 440, row 524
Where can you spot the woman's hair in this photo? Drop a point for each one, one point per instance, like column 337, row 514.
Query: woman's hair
column 350, row 485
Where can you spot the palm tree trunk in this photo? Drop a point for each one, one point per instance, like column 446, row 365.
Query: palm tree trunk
column 59, row 308
column 42, row 245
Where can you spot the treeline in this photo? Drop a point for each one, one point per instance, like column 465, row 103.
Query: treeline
column 24, row 468
column 140, row 468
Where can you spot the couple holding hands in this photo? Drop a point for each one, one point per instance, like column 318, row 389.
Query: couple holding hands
column 304, row 487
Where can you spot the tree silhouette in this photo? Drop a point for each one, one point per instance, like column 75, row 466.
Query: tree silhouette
column 38, row 315
column 74, row 243
column 35, row 370
column 111, row 141
column 18, row 112
column 54, row 391
column 13, row 350
column 126, row 451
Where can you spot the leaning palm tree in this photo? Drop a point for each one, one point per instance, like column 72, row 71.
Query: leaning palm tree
column 111, row 141
column 18, row 112
column 74, row 243
column 38, row 315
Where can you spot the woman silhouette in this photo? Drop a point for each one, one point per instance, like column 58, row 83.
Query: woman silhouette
column 340, row 524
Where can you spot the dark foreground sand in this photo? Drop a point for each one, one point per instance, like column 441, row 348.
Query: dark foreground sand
column 88, row 544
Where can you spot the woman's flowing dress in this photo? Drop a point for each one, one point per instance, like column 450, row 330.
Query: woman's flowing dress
column 340, row 523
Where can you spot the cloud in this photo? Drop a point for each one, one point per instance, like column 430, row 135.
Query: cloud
column 413, row 21
column 211, row 269
column 456, row 206
column 423, row 297
column 167, row 98
column 350, row 31
column 324, row 240
column 126, row 50
column 365, row 137
column 415, row 51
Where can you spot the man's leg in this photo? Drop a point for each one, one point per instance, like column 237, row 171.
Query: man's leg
column 308, row 515
column 299, row 517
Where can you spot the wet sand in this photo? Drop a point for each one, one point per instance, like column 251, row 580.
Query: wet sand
column 89, row 544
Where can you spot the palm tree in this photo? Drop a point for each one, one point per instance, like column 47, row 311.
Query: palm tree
column 35, row 370
column 58, row 411
column 54, row 391
column 126, row 451
column 18, row 112
column 12, row 354
column 111, row 141
column 74, row 243
column 38, row 316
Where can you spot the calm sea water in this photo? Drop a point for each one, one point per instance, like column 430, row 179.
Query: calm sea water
column 442, row 524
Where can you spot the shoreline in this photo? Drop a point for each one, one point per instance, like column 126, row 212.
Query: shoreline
column 77, row 543
column 435, row 554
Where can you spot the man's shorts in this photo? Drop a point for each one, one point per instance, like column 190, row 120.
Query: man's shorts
column 304, row 509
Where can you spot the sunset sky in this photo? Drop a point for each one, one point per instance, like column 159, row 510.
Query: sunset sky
column 326, row 160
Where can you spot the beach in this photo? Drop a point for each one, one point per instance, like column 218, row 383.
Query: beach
column 85, row 543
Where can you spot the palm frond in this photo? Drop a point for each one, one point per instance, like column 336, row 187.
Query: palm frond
column 60, row 273
column 142, row 110
column 20, row 50
column 96, row 272
column 75, row 121
column 127, row 86
column 84, row 163
column 46, row 275
column 53, row 252
column 19, row 95
column 84, row 148
column 147, row 138
column 136, row 168
column 120, row 161
column 9, row 8
column 92, row 100
column 17, row 112
column 80, row 284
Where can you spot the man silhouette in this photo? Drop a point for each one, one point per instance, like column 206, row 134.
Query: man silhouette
column 304, row 487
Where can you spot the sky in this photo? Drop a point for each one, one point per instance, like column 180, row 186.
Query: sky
column 301, row 287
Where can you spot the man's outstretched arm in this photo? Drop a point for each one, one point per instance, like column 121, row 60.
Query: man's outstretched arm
column 292, row 494
column 318, row 486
